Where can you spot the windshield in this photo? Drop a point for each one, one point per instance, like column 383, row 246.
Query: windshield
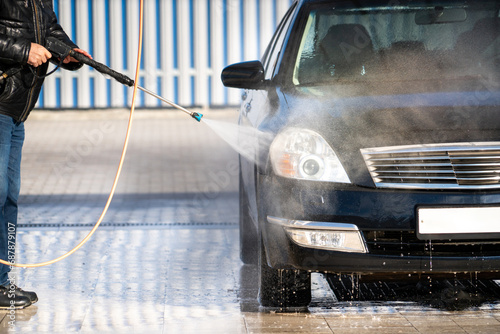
column 399, row 43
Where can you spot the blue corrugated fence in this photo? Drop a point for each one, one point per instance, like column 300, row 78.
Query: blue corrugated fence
column 186, row 45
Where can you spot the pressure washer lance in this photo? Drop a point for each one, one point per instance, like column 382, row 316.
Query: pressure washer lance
column 61, row 51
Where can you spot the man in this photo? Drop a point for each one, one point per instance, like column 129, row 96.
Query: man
column 24, row 28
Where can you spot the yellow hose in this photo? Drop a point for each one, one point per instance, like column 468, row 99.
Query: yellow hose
column 118, row 172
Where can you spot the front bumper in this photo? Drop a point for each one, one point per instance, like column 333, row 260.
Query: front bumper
column 285, row 253
column 375, row 213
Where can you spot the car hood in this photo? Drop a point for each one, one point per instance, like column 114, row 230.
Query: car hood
column 352, row 123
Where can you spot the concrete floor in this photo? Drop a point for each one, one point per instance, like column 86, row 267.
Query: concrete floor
column 166, row 257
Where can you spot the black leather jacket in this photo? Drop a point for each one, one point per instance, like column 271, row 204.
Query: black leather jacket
column 21, row 23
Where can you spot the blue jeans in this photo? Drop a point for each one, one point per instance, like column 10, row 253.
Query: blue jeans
column 11, row 143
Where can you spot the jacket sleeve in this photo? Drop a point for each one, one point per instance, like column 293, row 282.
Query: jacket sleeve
column 57, row 31
column 14, row 50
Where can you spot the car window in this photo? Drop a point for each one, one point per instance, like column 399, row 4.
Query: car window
column 274, row 48
column 424, row 41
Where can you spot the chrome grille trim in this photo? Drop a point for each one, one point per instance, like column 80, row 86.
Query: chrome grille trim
column 435, row 166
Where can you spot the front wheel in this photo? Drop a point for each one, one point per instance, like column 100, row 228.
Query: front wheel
column 283, row 288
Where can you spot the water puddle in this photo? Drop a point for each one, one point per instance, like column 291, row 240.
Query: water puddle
column 453, row 294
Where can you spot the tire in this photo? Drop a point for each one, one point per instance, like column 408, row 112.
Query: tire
column 283, row 288
column 248, row 233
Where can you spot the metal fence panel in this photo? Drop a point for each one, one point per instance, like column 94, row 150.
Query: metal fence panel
column 186, row 45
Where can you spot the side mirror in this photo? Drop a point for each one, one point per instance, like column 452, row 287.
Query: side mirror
column 247, row 75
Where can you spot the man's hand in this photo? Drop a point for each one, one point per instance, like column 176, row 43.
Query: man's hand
column 38, row 55
column 71, row 59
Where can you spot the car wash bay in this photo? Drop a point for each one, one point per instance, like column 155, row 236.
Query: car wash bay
column 166, row 258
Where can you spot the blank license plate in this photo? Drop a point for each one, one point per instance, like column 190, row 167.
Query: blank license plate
column 461, row 222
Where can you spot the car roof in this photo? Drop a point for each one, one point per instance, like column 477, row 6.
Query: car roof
column 356, row 2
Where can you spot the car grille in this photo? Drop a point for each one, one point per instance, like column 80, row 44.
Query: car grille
column 406, row 243
column 435, row 166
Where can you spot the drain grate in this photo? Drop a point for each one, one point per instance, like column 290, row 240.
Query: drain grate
column 143, row 224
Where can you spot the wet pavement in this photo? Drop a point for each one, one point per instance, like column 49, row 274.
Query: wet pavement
column 166, row 259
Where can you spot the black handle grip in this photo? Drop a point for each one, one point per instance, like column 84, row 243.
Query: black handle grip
column 121, row 78
column 61, row 50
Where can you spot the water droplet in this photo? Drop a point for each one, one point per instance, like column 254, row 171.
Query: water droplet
column 430, row 255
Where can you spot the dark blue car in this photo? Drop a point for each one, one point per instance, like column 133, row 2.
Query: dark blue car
column 378, row 151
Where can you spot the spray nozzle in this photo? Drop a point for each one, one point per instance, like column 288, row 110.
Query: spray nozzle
column 197, row 116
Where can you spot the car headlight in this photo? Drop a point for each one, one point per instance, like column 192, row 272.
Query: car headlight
column 304, row 154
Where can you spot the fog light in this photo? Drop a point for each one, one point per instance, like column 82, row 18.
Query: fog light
column 344, row 241
column 340, row 237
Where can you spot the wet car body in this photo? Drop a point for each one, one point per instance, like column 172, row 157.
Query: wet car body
column 410, row 143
